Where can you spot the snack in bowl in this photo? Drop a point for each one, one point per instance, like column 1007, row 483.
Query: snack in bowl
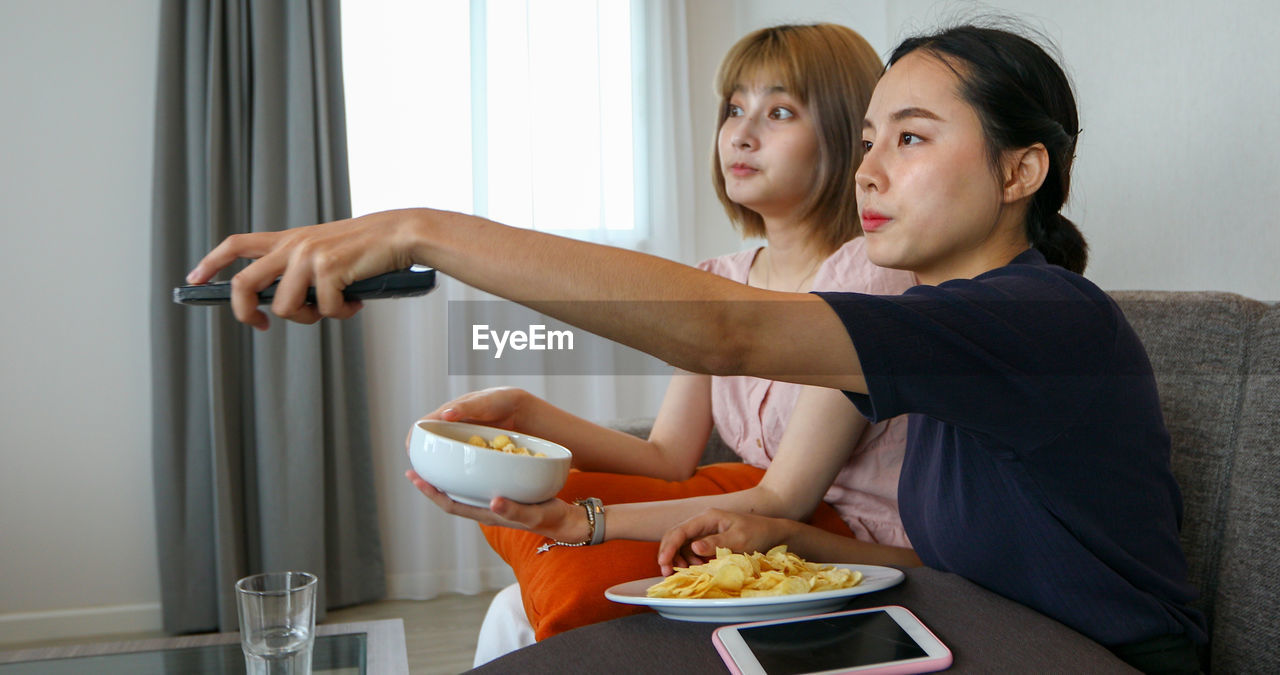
column 474, row 474
column 738, row 575
column 502, row 443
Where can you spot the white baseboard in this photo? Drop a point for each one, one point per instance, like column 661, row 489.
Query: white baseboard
column 24, row 627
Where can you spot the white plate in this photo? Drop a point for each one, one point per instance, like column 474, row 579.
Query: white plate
column 720, row 610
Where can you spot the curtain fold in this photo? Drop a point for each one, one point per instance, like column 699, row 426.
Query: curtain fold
column 666, row 131
column 262, row 457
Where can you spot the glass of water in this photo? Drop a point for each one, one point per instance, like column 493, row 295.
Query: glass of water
column 277, row 622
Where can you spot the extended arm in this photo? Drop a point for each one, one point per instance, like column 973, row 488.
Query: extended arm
column 671, row 452
column 689, row 318
column 822, row 432
column 748, row 532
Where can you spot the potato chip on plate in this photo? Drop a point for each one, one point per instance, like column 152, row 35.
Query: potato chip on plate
column 730, row 575
column 766, row 593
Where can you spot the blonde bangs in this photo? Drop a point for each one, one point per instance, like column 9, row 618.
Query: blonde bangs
column 768, row 59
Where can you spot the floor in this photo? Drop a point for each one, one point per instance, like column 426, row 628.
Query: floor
column 439, row 634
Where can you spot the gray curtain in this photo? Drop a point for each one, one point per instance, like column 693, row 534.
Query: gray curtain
column 262, row 456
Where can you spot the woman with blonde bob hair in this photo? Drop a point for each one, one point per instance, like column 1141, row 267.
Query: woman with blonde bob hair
column 806, row 60
column 791, row 106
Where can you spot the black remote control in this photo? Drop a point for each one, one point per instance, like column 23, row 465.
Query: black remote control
column 399, row 284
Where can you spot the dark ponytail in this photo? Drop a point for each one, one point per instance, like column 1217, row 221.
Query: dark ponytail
column 1022, row 97
column 1062, row 244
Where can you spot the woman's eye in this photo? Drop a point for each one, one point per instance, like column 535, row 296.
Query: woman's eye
column 866, row 146
column 734, row 111
column 909, row 138
column 781, row 114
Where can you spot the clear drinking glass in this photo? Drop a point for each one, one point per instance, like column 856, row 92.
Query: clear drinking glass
column 277, row 622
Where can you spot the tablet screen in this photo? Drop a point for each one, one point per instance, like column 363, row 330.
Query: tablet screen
column 845, row 641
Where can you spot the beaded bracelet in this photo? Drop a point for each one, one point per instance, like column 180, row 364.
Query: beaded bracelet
column 595, row 520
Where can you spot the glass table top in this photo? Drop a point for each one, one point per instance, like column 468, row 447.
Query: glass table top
column 345, row 654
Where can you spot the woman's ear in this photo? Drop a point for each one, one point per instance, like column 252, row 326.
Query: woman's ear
column 1025, row 171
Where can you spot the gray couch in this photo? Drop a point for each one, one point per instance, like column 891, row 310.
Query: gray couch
column 1217, row 363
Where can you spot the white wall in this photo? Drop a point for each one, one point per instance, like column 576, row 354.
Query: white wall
column 77, row 543
column 1176, row 181
column 1176, row 187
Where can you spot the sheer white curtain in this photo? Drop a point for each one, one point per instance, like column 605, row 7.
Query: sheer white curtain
column 435, row 108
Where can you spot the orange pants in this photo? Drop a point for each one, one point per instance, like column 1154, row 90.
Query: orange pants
column 564, row 587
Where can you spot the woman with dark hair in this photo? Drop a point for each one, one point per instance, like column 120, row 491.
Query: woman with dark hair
column 1037, row 461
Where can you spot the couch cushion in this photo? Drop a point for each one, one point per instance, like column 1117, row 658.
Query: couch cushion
column 1247, row 636
column 1198, row 344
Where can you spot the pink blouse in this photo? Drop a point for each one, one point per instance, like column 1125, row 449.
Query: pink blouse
column 751, row 413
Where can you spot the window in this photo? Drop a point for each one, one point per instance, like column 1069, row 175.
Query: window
column 519, row 110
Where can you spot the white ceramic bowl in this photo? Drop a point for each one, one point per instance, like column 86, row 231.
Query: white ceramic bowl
column 473, row 475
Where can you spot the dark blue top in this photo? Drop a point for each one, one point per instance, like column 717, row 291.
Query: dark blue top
column 1037, row 460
